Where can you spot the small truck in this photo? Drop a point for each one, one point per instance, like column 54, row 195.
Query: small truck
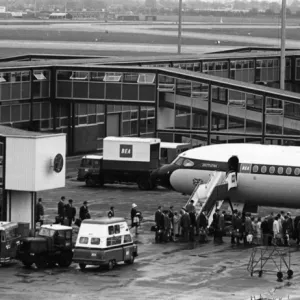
column 52, row 245
column 124, row 160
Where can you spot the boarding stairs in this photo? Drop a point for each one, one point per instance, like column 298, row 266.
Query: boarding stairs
column 210, row 196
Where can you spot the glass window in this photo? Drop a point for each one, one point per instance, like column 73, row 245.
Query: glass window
column 110, row 230
column 130, row 77
column 25, row 112
column 95, row 241
column 36, row 111
column 64, row 75
column 83, row 240
column 146, row 78
column 116, row 240
column 5, row 114
column 109, row 241
column 16, row 113
column 127, row 238
column 79, row 75
column 25, row 76
column 188, row 163
column 178, row 161
column 117, row 229
column 39, row 75
column 97, row 76
column 15, row 76
column 112, row 77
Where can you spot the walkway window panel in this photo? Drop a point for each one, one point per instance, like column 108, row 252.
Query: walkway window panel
column 5, row 114
column 288, row 69
column 46, row 110
column 80, row 90
column 274, row 116
column 64, row 89
column 5, row 91
column 196, row 140
column 25, row 111
column 96, row 90
column 291, row 117
column 297, row 69
column 36, row 111
column 130, row 77
column 126, row 128
column 134, row 127
column 16, row 91
column 25, row 90
column 130, row 91
column 147, row 92
column 113, row 91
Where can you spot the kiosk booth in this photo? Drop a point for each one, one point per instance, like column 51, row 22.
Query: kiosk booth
column 31, row 162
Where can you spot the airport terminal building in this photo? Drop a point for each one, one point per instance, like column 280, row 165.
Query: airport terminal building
column 222, row 97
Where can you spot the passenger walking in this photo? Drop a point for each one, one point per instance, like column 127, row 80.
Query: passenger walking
column 221, row 227
column 296, row 230
column 215, row 223
column 238, row 228
column 233, row 224
column 171, row 217
column 39, row 212
column 270, row 225
column 265, row 231
column 190, row 207
column 61, row 210
column 176, row 229
column 167, row 226
column 185, row 223
column 193, row 225
column 202, row 223
column 276, row 231
column 248, row 236
column 158, row 218
column 258, row 231
column 290, row 224
column 285, row 234
column 84, row 211
column 111, row 212
column 134, row 218
column 70, row 212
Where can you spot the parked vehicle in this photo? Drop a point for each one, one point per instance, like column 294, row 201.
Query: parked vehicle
column 169, row 151
column 104, row 241
column 11, row 233
column 124, row 160
column 52, row 245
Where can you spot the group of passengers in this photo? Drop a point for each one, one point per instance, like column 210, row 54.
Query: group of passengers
column 270, row 230
column 185, row 225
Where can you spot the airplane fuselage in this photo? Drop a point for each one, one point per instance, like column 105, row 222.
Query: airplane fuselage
column 267, row 175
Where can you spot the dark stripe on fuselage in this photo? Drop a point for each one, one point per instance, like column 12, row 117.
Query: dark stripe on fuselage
column 253, row 168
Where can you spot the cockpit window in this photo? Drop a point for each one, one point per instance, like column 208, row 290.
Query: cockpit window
column 178, row 161
column 188, row 163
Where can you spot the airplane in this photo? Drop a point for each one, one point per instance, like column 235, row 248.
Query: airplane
column 267, row 175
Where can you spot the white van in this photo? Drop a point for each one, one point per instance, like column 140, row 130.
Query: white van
column 104, row 241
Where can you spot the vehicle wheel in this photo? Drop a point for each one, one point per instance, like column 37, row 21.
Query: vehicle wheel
column 290, row 274
column 90, row 182
column 144, row 184
column 82, row 266
column 110, row 265
column 279, row 275
column 65, row 259
column 260, row 273
column 130, row 261
column 27, row 264
column 41, row 262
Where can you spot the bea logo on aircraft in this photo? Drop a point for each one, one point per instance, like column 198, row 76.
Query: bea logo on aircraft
column 125, row 150
column 245, row 168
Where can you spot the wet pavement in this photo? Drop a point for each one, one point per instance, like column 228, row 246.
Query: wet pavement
column 161, row 271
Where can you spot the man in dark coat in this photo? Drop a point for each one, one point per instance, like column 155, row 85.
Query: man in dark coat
column 39, row 212
column 61, row 209
column 84, row 211
column 70, row 212
column 159, row 223
column 185, row 223
column 111, row 212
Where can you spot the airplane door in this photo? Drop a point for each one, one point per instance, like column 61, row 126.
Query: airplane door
column 233, row 164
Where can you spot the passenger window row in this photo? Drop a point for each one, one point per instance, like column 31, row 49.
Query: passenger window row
column 111, row 241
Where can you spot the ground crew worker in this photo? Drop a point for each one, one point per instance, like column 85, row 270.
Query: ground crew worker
column 61, row 210
column 39, row 212
column 70, row 212
column 84, row 212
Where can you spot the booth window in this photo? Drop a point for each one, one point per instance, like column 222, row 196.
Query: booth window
column 112, row 77
column 2, row 79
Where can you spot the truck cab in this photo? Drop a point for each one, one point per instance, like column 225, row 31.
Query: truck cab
column 169, row 151
column 90, row 166
column 11, row 233
column 52, row 245
column 104, row 242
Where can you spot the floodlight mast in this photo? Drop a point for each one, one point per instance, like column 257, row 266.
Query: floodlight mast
column 282, row 52
column 179, row 26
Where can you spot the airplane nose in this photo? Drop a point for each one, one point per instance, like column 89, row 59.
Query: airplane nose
column 162, row 175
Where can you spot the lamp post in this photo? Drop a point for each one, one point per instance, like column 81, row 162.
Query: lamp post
column 179, row 26
column 282, row 52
